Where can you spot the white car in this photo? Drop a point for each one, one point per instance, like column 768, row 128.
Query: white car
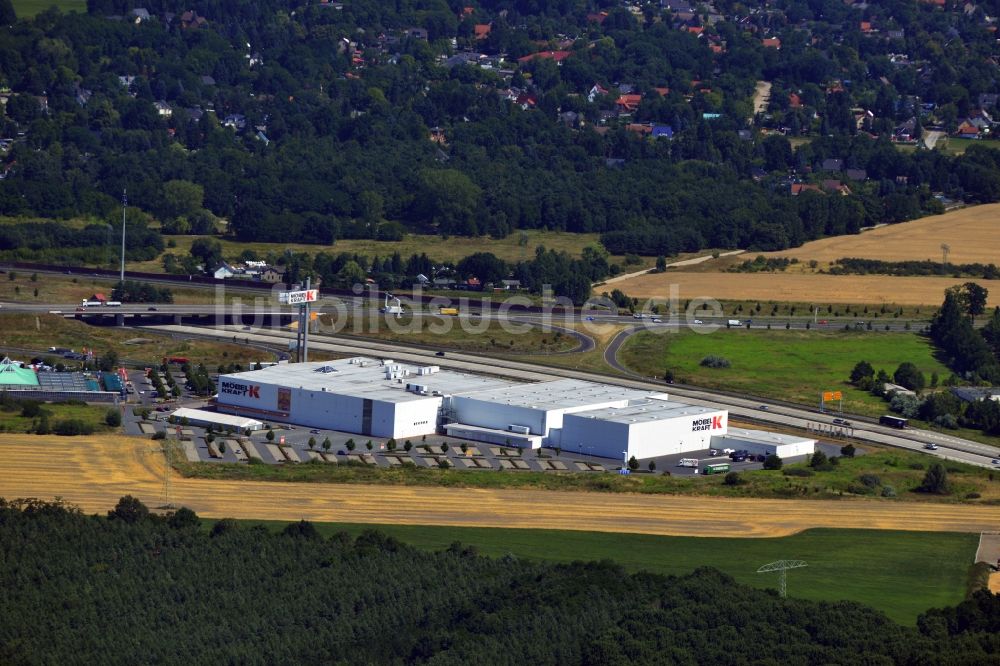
column 728, row 451
column 698, row 322
column 657, row 320
column 995, row 461
column 931, row 447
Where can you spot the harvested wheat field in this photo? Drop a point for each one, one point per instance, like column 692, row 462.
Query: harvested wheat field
column 973, row 234
column 799, row 288
column 93, row 472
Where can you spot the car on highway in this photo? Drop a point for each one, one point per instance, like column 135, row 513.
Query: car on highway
column 657, row 320
column 248, row 328
column 314, row 432
column 842, row 422
column 699, row 322
column 763, row 408
column 151, row 309
column 439, row 354
column 995, row 461
column 931, row 447
column 590, row 319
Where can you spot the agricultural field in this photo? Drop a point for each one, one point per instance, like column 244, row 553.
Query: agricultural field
column 900, row 573
column 901, row 471
column 870, row 290
column 39, row 332
column 973, row 235
column 29, row 8
column 787, row 365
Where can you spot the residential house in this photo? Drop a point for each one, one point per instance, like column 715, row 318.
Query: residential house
column 798, row 188
column 595, row 91
column 416, row 33
column 628, row 103
column 973, row 393
column 967, row 131
column 771, row 43
column 139, row 14
column 191, row 21
column 236, row 121
column 511, row 285
column 224, row 272
column 857, row 175
column 835, row 186
column 557, row 56
column 482, row 30
column 270, row 275
column 662, row 131
column 163, row 109
column 831, row 164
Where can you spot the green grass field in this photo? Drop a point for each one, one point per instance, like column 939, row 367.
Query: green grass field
column 788, row 365
column 12, row 421
column 899, row 573
column 29, row 8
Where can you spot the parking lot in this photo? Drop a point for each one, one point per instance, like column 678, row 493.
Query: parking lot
column 291, row 445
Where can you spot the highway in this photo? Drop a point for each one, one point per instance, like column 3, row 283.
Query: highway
column 745, row 409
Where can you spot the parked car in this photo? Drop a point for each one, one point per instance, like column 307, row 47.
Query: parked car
column 713, row 452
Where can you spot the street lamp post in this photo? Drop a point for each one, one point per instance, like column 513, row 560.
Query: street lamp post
column 124, row 205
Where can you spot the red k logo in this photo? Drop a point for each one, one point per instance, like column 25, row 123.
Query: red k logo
column 255, row 392
column 716, row 422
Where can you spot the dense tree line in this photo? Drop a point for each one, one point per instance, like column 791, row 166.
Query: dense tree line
column 145, row 588
column 132, row 291
column 856, row 266
column 343, row 152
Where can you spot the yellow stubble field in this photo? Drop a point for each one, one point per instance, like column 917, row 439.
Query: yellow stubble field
column 972, row 234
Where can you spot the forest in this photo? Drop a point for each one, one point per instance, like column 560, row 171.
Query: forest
column 134, row 587
column 311, row 121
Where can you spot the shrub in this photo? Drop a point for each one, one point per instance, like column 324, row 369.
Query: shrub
column 848, row 451
column 113, row 418
column 633, row 464
column 773, row 462
column 71, row 427
column 870, row 480
column 935, row 480
column 733, row 479
column 972, row 496
column 713, row 361
column 444, row 464
column 818, row 460
column 888, row 491
column 159, row 434
column 798, row 471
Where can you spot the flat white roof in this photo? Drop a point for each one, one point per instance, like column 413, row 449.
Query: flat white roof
column 240, row 422
column 364, row 377
column 559, row 394
column 647, row 410
column 763, row 436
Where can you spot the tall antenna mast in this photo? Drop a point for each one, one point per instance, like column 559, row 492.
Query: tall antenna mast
column 124, row 205
column 945, row 249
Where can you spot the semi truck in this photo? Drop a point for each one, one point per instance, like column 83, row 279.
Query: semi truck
column 893, row 421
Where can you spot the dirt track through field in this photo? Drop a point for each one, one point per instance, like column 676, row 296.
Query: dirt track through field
column 94, row 472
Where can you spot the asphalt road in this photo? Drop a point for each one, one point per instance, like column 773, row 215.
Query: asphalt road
column 746, row 409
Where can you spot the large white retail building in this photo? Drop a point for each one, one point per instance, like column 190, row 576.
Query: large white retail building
column 382, row 398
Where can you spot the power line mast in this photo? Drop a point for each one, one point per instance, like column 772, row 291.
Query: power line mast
column 782, row 567
column 945, row 249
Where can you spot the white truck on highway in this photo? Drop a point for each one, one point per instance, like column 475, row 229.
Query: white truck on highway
column 734, row 322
